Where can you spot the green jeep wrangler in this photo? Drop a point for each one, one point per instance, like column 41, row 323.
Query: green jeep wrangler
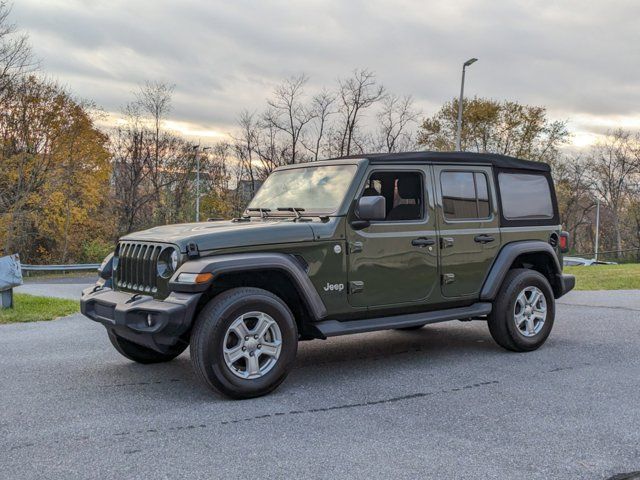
column 351, row 245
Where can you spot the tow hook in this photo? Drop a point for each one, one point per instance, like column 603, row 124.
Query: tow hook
column 137, row 296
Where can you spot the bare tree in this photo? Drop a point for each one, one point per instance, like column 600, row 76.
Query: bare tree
column 356, row 94
column 16, row 57
column 613, row 166
column 575, row 200
column 395, row 120
column 153, row 99
column 321, row 108
column 245, row 145
column 288, row 113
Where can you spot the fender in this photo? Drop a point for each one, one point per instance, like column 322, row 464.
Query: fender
column 505, row 259
column 244, row 262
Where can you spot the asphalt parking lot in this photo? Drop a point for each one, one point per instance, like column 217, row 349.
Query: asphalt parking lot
column 441, row 402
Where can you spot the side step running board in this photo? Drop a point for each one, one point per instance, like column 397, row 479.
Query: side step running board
column 332, row 328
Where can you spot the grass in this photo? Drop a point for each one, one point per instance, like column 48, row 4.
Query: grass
column 606, row 277
column 30, row 308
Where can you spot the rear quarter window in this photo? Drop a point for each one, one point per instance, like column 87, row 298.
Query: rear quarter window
column 525, row 196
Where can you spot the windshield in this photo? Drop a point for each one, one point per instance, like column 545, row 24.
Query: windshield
column 314, row 189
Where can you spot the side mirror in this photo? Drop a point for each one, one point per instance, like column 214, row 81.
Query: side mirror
column 370, row 209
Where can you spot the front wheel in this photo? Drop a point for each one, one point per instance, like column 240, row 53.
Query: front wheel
column 244, row 342
column 523, row 312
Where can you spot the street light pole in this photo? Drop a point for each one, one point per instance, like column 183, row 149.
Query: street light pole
column 597, row 228
column 459, row 129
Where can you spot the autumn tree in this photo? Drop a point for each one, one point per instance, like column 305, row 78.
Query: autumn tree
column 508, row 128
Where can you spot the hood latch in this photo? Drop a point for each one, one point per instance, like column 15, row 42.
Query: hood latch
column 192, row 251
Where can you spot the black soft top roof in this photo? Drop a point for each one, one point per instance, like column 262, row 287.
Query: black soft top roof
column 500, row 161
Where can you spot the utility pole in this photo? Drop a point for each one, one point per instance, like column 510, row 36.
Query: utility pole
column 459, row 129
column 597, row 228
column 197, row 159
column 195, row 154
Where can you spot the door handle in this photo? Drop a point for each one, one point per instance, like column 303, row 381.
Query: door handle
column 483, row 238
column 422, row 242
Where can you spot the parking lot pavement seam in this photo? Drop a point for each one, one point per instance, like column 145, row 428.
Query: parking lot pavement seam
column 371, row 403
column 314, row 410
column 609, row 307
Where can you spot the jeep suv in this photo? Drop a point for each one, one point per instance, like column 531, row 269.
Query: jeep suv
column 351, row 245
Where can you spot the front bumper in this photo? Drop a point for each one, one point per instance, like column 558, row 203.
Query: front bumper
column 566, row 283
column 156, row 324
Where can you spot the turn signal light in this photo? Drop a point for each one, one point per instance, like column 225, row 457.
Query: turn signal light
column 195, row 277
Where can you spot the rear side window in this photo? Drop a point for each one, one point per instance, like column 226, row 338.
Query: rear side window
column 525, row 196
column 465, row 195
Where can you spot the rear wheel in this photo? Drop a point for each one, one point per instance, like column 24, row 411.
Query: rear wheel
column 523, row 312
column 244, row 342
column 141, row 354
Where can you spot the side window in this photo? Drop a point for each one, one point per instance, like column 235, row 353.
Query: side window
column 465, row 195
column 403, row 191
column 525, row 196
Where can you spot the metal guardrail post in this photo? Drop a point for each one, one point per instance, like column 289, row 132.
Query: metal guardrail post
column 6, row 298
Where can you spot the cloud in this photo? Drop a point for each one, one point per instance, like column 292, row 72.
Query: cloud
column 578, row 58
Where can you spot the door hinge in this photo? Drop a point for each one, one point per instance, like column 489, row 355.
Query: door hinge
column 355, row 247
column 448, row 278
column 446, row 242
column 356, row 286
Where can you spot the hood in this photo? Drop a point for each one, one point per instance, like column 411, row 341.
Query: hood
column 227, row 234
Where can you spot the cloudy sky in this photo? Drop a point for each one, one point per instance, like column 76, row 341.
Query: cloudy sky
column 579, row 58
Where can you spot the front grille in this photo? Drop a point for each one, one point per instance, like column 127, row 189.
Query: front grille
column 137, row 270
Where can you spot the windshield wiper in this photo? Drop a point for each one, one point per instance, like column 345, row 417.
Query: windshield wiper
column 264, row 212
column 295, row 210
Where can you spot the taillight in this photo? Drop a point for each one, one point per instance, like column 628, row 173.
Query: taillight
column 564, row 242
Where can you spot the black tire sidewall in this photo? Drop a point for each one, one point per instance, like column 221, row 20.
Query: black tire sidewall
column 217, row 320
column 141, row 354
column 520, row 281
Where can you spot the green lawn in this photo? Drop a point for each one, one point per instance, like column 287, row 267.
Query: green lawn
column 29, row 308
column 606, row 277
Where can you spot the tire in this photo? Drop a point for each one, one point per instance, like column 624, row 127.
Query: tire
column 141, row 354
column 409, row 329
column 509, row 323
column 217, row 338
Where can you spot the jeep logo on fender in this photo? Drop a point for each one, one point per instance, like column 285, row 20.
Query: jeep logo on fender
column 334, row 287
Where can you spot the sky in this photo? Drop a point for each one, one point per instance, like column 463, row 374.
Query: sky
column 578, row 58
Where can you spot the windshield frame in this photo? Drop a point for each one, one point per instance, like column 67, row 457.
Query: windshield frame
column 341, row 209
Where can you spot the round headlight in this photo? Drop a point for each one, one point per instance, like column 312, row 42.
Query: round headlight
column 167, row 262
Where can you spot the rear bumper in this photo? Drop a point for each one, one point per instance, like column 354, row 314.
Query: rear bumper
column 156, row 324
column 566, row 284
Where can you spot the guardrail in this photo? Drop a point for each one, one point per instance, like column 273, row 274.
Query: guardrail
column 60, row 268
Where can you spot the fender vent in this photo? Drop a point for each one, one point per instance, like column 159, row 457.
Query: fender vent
column 553, row 240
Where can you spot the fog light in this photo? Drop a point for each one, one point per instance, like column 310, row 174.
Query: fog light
column 149, row 320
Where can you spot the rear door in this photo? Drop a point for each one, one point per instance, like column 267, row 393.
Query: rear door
column 469, row 227
column 395, row 261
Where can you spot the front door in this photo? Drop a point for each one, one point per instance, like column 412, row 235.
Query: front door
column 395, row 261
column 469, row 227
